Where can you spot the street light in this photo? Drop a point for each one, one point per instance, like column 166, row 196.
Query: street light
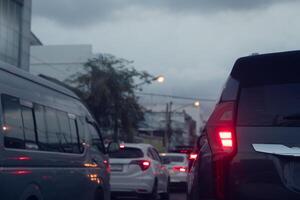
column 197, row 104
column 159, row 79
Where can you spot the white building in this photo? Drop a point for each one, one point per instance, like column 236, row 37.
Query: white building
column 15, row 32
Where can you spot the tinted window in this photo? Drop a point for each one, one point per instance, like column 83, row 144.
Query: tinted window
column 39, row 113
column 173, row 158
column 64, row 135
column 81, row 132
column 270, row 105
column 14, row 136
column 54, row 142
column 74, row 136
column 127, row 152
column 29, row 128
column 97, row 143
column 156, row 155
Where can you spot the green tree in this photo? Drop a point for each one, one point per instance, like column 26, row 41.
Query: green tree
column 107, row 86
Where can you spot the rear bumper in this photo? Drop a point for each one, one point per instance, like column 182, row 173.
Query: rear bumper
column 178, row 178
column 132, row 185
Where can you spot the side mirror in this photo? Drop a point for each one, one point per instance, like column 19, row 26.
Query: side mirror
column 113, row 147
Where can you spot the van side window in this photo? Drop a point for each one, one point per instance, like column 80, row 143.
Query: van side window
column 65, row 137
column 29, row 128
column 14, row 136
column 81, row 132
column 39, row 113
column 97, row 143
column 74, row 136
column 54, row 143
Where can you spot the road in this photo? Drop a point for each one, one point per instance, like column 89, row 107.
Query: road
column 178, row 196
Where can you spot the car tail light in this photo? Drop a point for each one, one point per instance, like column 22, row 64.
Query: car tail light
column 180, row 169
column 144, row 164
column 222, row 140
column 193, row 156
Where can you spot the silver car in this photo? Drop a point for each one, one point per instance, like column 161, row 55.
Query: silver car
column 137, row 171
column 177, row 164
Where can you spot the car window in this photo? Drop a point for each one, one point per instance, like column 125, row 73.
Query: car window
column 29, row 128
column 127, row 152
column 54, row 139
column 96, row 140
column 268, row 105
column 155, row 155
column 39, row 112
column 173, row 159
column 14, row 136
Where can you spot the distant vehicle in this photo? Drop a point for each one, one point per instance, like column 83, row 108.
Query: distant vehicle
column 249, row 148
column 50, row 145
column 137, row 171
column 182, row 149
column 177, row 164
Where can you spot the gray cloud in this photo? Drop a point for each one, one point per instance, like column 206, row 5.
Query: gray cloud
column 85, row 12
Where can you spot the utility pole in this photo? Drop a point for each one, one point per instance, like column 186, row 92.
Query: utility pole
column 168, row 132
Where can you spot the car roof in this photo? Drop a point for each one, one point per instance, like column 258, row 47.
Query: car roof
column 173, row 154
column 138, row 145
column 281, row 67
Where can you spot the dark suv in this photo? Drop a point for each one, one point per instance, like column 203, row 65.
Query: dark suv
column 250, row 147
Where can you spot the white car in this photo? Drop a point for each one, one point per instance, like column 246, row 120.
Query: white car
column 177, row 164
column 137, row 171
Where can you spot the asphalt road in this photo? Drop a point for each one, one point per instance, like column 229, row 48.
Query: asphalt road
column 178, row 196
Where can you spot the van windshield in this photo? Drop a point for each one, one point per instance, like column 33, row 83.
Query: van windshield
column 127, row 152
column 270, row 105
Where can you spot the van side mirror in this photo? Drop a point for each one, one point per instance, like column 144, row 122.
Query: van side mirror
column 113, row 147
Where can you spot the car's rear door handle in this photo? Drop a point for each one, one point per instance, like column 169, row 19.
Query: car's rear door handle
column 277, row 149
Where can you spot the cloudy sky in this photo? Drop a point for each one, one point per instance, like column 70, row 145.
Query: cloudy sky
column 194, row 43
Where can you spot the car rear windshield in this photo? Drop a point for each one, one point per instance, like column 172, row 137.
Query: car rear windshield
column 173, row 158
column 127, row 152
column 270, row 105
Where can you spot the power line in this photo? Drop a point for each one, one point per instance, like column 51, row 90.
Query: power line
column 175, row 97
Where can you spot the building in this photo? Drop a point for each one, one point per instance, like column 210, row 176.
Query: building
column 59, row 61
column 153, row 129
column 15, row 32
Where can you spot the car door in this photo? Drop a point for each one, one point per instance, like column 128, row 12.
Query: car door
column 161, row 171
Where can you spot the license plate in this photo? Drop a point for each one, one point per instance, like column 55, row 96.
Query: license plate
column 116, row 168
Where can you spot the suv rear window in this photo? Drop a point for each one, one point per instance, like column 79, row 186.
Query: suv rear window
column 270, row 105
column 127, row 152
column 173, row 159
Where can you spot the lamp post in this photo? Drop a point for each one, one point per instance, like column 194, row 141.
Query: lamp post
column 159, row 79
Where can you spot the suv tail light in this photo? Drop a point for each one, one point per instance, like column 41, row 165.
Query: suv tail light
column 220, row 130
column 144, row 164
column 180, row 169
column 222, row 140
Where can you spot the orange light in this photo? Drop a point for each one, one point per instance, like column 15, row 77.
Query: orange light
column 90, row 165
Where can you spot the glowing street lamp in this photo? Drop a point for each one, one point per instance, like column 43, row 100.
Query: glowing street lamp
column 160, row 79
column 197, row 104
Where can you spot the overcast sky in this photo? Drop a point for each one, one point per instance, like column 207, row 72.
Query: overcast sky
column 194, row 43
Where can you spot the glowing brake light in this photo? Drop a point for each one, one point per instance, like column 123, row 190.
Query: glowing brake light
column 122, row 146
column 144, row 164
column 226, row 139
column 193, row 156
column 179, row 169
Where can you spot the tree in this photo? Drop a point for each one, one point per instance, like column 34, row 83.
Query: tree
column 107, row 86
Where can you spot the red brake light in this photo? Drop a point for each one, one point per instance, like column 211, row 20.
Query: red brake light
column 220, row 129
column 222, row 140
column 193, row 156
column 144, row 164
column 179, row 169
column 122, row 146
